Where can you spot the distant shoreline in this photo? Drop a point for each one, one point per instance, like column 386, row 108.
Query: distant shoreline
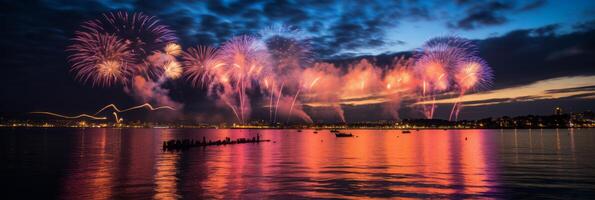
column 323, row 129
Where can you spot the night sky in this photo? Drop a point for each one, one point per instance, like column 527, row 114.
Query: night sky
column 542, row 51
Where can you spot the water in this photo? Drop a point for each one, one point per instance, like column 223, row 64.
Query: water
column 129, row 163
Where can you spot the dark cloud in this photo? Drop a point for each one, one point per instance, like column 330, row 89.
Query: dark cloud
column 533, row 5
column 548, row 30
column 229, row 9
column 522, row 51
column 483, row 14
column 490, row 13
column 285, row 11
column 575, row 89
column 584, row 26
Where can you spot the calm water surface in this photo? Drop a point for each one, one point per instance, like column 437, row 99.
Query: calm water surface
column 129, row 163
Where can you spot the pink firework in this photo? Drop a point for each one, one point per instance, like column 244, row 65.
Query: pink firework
column 202, row 64
column 247, row 61
column 434, row 66
column 101, row 59
column 144, row 34
column 471, row 74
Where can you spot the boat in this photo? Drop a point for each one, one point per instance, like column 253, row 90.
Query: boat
column 299, row 130
column 315, row 132
column 338, row 134
column 334, row 131
column 405, row 131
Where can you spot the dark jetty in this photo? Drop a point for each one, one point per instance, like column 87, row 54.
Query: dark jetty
column 172, row 145
column 343, row 134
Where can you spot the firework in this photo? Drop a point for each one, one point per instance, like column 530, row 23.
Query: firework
column 399, row 79
column 471, row 74
column 173, row 49
column 201, row 64
column 143, row 34
column 278, row 63
column 326, row 86
column 172, row 69
column 435, row 63
column 101, row 59
column 247, row 61
column 452, row 44
column 247, row 58
column 288, row 47
column 289, row 52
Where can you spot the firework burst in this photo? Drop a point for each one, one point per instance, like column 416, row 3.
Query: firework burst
column 202, row 64
column 172, row 69
column 471, row 74
column 288, row 47
column 247, row 59
column 143, row 34
column 100, row 59
column 173, row 49
column 435, row 64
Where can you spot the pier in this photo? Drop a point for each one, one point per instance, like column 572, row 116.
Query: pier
column 185, row 144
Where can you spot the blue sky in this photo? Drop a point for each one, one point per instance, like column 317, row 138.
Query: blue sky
column 416, row 32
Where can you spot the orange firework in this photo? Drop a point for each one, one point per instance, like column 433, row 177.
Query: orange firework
column 172, row 69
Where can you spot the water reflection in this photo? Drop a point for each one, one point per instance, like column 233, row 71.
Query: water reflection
column 91, row 174
column 129, row 163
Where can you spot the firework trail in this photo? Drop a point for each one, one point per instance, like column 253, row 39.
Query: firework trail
column 271, row 94
column 70, row 117
column 327, row 86
column 146, row 105
column 118, row 120
column 247, row 61
column 292, row 104
column 94, row 116
column 278, row 99
column 290, row 51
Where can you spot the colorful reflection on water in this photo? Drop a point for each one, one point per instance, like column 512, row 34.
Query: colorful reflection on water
column 129, row 163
